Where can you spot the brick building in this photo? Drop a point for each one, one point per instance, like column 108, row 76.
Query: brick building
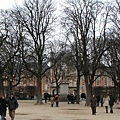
column 28, row 86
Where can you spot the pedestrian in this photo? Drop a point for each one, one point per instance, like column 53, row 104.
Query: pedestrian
column 111, row 103
column 93, row 103
column 98, row 100
column 12, row 106
column 3, row 107
column 101, row 100
column 106, row 102
column 45, row 97
column 52, row 100
column 49, row 96
column 83, row 96
column 57, row 100
column 68, row 98
column 72, row 98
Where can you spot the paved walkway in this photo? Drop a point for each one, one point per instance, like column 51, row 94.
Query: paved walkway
column 29, row 111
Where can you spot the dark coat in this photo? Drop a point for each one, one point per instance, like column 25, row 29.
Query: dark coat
column 93, row 102
column 3, row 106
column 68, row 97
column 12, row 103
column 111, row 101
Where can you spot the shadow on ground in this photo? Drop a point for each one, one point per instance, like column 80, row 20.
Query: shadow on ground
column 41, row 119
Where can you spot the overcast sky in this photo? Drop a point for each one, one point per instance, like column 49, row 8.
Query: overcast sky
column 6, row 4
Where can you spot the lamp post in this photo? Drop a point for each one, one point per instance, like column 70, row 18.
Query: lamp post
column 10, row 86
column 106, row 85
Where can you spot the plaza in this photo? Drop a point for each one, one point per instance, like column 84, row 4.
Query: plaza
column 29, row 111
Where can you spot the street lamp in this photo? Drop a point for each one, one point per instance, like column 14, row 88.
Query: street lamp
column 106, row 84
column 10, row 86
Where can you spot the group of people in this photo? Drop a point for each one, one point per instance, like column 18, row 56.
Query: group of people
column 55, row 98
column 108, row 100
column 12, row 105
column 71, row 98
column 47, row 96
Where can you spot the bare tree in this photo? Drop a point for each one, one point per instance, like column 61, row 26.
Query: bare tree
column 10, row 42
column 37, row 18
column 57, row 60
column 113, row 60
column 112, row 56
column 81, row 21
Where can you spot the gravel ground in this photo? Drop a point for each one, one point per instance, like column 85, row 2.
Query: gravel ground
column 29, row 111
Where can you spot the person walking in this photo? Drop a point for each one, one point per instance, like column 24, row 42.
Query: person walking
column 45, row 97
column 106, row 102
column 52, row 100
column 12, row 106
column 111, row 103
column 3, row 107
column 57, row 100
column 101, row 100
column 72, row 98
column 98, row 100
column 93, row 103
column 68, row 98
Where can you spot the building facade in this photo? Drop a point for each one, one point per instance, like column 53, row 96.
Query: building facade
column 27, row 88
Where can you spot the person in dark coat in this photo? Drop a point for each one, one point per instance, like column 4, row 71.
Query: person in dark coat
column 101, row 101
column 98, row 100
column 72, row 98
column 111, row 103
column 49, row 96
column 45, row 97
column 3, row 107
column 93, row 103
column 68, row 98
column 12, row 105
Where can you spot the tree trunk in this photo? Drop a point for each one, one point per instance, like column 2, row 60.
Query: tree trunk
column 88, row 95
column 39, row 91
column 88, row 90
column 57, row 87
column 1, row 85
column 10, row 87
column 78, row 88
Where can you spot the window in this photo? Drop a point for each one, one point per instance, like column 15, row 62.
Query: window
column 105, row 81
